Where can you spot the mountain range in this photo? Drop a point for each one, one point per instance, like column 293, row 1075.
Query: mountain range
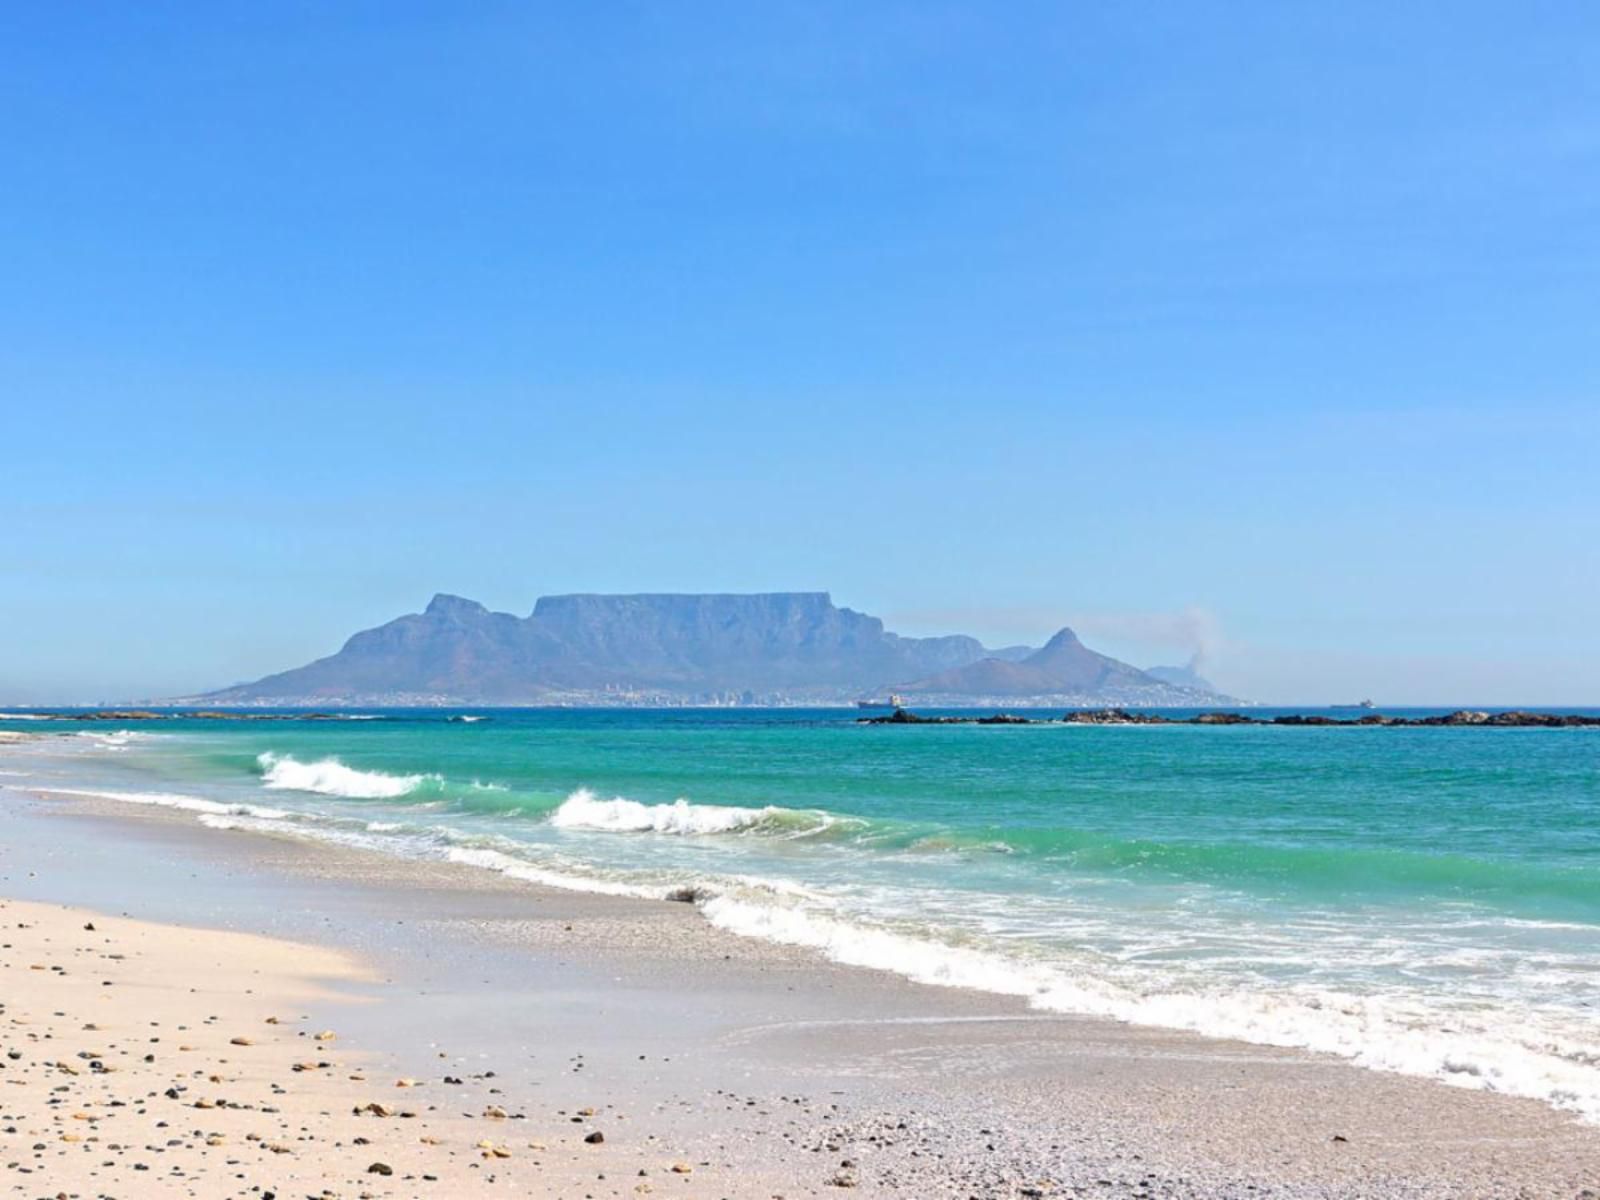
column 771, row 648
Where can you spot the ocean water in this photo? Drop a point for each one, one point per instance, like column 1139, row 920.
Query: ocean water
column 1416, row 900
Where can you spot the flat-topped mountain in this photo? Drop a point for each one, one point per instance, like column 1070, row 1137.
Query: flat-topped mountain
column 779, row 647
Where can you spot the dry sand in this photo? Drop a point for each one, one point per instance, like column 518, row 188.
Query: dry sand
column 157, row 1060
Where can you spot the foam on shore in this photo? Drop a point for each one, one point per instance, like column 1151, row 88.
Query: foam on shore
column 194, row 804
column 1399, row 1034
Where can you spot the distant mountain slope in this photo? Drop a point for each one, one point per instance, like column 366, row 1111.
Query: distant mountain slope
column 1064, row 666
column 1012, row 653
column 779, row 647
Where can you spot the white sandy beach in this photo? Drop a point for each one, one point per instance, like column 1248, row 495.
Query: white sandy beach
column 147, row 1059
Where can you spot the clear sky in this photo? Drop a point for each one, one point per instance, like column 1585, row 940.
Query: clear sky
column 1272, row 325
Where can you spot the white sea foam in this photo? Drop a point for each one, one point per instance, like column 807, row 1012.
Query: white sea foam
column 576, row 881
column 116, row 739
column 330, row 777
column 584, row 810
column 1487, row 1049
column 219, row 821
column 194, row 804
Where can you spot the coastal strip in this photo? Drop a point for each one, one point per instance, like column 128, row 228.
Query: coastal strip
column 1509, row 719
column 505, row 1016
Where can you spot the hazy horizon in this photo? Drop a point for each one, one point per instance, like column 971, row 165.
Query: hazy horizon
column 1201, row 328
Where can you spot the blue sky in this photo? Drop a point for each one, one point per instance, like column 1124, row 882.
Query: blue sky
column 1272, row 326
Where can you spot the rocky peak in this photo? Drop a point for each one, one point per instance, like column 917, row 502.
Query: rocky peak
column 1064, row 640
column 445, row 605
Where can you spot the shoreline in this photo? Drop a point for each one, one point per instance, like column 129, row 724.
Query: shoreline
column 1076, row 1099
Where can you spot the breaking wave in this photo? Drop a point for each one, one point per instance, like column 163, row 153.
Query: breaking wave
column 330, row 777
column 584, row 810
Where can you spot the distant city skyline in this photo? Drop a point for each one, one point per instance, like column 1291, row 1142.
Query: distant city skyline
column 1188, row 326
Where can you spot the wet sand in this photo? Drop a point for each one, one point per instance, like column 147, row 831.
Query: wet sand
column 763, row 1070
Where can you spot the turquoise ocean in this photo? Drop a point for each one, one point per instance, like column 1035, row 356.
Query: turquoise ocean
column 1416, row 900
